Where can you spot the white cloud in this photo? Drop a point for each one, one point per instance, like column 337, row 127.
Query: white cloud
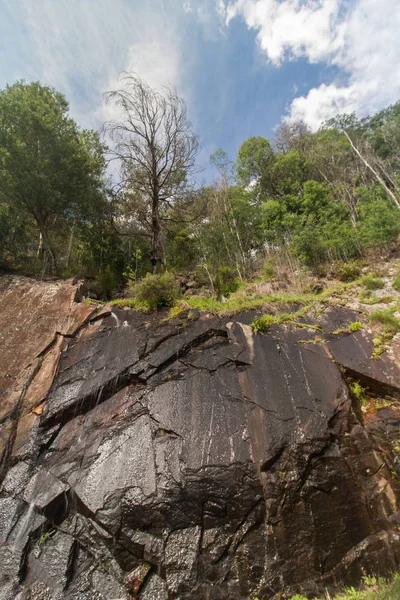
column 299, row 28
column 361, row 39
column 80, row 47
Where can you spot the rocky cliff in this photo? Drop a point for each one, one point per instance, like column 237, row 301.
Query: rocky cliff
column 192, row 458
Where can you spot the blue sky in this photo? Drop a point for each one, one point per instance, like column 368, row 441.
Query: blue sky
column 242, row 66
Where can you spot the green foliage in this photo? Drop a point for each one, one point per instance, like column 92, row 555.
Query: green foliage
column 305, row 199
column 226, row 281
column 396, row 283
column 157, row 291
column 356, row 326
column 51, row 171
column 268, row 271
column 255, row 158
column 47, row 535
column 379, row 220
column 372, row 283
column 387, row 320
column 372, row 589
column 263, row 324
column 108, row 283
column 348, row 271
column 359, row 392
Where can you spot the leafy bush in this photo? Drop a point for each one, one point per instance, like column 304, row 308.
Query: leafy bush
column 372, row 589
column 396, row 283
column 379, row 219
column 157, row 291
column 359, row 392
column 347, row 272
column 356, row 326
column 268, row 271
column 372, row 283
column 226, row 282
column 108, row 283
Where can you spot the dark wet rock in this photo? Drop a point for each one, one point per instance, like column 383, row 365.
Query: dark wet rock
column 196, row 459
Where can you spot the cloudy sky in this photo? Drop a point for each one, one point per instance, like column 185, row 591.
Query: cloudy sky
column 243, row 66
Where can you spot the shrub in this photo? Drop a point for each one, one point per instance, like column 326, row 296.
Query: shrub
column 108, row 283
column 387, row 320
column 379, row 219
column 226, row 282
column 356, row 326
column 157, row 291
column 347, row 272
column 264, row 323
column 396, row 283
column 372, row 283
column 268, row 271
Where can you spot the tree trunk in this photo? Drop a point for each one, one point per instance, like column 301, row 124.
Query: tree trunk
column 50, row 252
column 71, row 239
column 377, row 176
column 40, row 245
column 156, row 249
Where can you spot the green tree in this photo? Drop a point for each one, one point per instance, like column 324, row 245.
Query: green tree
column 50, row 170
column 254, row 164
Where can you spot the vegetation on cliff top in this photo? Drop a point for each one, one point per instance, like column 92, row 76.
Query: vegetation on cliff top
column 303, row 202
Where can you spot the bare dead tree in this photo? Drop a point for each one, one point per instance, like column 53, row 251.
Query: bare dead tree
column 373, row 171
column 154, row 141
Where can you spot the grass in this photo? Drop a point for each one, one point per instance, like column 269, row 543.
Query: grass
column 130, row 303
column 91, row 301
column 372, row 282
column 388, row 325
column 372, row 589
column 385, row 318
column 375, row 300
column 244, row 300
column 396, row 283
column 315, row 340
column 264, row 323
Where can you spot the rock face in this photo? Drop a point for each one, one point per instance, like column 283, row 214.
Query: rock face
column 191, row 459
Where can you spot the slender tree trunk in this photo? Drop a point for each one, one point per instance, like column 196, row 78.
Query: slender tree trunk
column 40, row 245
column 375, row 173
column 71, row 239
column 155, row 234
column 50, row 252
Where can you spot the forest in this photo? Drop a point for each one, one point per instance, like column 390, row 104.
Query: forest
column 117, row 205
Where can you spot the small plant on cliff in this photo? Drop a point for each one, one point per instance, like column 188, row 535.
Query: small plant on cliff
column 356, row 326
column 388, row 321
column 372, row 283
column 157, row 291
column 347, row 271
column 226, row 281
column 396, row 283
column 359, row 392
column 264, row 323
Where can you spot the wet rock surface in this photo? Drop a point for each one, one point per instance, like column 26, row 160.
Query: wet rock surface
column 191, row 458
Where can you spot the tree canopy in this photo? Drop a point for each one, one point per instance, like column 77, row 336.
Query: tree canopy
column 51, row 171
column 319, row 197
